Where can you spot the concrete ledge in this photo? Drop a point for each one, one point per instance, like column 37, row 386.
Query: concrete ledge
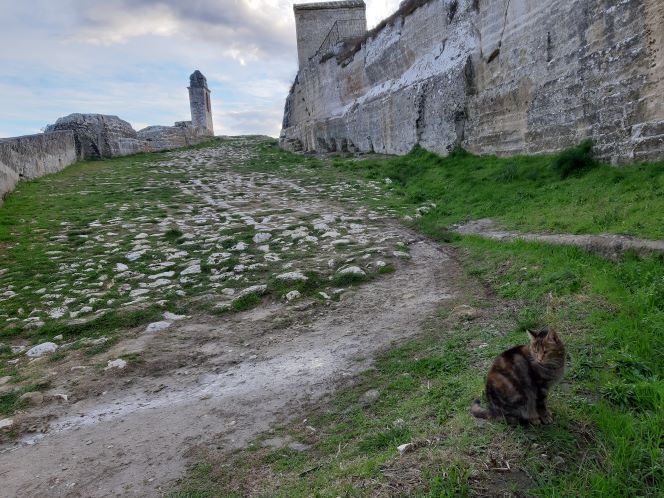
column 343, row 4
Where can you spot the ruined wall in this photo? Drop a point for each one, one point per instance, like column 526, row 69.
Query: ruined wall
column 494, row 76
column 33, row 156
column 183, row 134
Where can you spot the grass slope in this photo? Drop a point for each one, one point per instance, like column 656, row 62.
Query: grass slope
column 524, row 192
column 607, row 439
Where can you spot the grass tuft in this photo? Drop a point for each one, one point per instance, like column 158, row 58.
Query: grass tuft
column 574, row 160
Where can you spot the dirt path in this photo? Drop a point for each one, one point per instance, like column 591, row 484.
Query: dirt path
column 607, row 244
column 218, row 381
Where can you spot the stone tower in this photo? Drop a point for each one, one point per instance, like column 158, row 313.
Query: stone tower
column 199, row 101
column 319, row 26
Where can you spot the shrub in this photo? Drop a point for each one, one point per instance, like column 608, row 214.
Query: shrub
column 575, row 159
column 458, row 152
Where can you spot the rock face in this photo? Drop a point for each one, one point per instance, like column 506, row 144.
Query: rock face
column 493, row 76
column 100, row 136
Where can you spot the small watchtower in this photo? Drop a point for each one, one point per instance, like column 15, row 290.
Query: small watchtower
column 327, row 23
column 199, row 101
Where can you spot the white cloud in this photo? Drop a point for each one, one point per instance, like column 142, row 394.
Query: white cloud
column 132, row 58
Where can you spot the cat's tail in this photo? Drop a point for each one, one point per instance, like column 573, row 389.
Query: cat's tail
column 477, row 411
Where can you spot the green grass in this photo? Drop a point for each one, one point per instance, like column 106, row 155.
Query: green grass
column 9, row 401
column 246, row 302
column 521, row 192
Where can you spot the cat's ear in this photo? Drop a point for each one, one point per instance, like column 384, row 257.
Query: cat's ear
column 532, row 335
column 552, row 334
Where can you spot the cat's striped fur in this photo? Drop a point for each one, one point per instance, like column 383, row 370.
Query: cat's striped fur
column 520, row 378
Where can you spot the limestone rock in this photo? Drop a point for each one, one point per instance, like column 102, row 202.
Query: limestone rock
column 465, row 312
column 293, row 276
column 32, row 398
column 292, row 295
column 100, row 136
column 261, row 237
column 42, row 349
column 118, row 364
column 158, row 326
column 254, row 289
column 353, row 270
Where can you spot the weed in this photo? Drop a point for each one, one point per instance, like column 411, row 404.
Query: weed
column 246, row 302
column 342, row 279
column 574, row 160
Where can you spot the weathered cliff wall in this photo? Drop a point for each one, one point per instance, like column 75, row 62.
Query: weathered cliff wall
column 33, row 156
column 494, row 76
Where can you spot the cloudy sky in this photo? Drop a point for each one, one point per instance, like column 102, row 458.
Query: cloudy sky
column 133, row 58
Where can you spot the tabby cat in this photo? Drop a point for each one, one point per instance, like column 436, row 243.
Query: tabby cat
column 520, row 378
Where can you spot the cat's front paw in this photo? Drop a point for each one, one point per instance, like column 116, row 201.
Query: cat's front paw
column 546, row 418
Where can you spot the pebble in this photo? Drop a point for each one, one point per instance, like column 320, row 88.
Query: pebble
column 370, row 395
column 292, row 295
column 6, row 422
column 119, row 364
column 172, row 316
column 158, row 326
column 32, row 398
column 354, row 270
column 133, row 256
column 405, row 448
column 254, row 289
column 138, row 292
column 293, row 276
column 240, row 246
column 192, row 270
column 261, row 237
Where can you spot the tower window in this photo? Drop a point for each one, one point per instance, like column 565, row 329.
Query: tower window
column 207, row 102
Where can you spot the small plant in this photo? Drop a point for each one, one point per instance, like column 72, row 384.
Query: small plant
column 246, row 302
column 575, row 160
column 173, row 235
column 458, row 152
column 341, row 279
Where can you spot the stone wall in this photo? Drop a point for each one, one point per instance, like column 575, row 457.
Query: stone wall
column 313, row 22
column 183, row 134
column 494, row 76
column 33, row 156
